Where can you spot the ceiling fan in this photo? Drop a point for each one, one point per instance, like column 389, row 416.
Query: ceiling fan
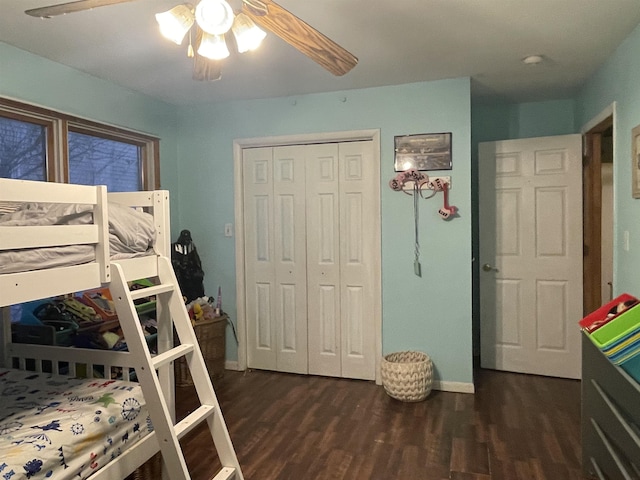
column 213, row 19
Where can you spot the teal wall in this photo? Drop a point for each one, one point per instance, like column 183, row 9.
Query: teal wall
column 492, row 122
column 32, row 79
column 418, row 313
column 431, row 313
column 428, row 313
column 617, row 81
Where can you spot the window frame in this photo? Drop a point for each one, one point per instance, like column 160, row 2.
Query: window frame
column 58, row 125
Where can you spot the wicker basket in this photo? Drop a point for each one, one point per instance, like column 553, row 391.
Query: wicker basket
column 211, row 337
column 407, row 376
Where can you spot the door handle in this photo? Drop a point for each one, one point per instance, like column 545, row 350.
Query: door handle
column 487, row 268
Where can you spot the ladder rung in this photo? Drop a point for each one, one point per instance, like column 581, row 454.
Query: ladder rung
column 171, row 355
column 194, row 419
column 150, row 291
column 226, row 473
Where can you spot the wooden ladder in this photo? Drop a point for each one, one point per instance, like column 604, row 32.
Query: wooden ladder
column 169, row 434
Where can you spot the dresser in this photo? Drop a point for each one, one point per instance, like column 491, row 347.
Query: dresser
column 610, row 418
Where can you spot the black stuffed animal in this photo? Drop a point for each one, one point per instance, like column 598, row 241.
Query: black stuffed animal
column 187, row 265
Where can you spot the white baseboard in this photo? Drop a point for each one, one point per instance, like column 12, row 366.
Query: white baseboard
column 457, row 387
column 231, row 365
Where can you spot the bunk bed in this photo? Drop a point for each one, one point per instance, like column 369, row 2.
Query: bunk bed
column 58, row 239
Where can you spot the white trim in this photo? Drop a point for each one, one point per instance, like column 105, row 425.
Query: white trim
column 609, row 111
column 457, row 387
column 300, row 139
column 239, row 236
column 306, row 138
column 232, row 365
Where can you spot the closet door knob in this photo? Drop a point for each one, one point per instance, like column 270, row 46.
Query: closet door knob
column 487, row 268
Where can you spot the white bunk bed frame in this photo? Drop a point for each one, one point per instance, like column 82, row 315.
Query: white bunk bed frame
column 33, row 285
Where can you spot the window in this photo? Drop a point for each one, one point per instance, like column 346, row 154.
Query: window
column 40, row 144
column 100, row 161
column 23, row 150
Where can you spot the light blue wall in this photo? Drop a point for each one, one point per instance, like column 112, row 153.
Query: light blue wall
column 32, row 79
column 492, row 122
column 432, row 313
column 617, row 81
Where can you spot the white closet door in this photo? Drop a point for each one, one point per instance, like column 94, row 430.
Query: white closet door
column 311, row 236
column 259, row 258
column 275, row 250
column 357, row 233
column 323, row 260
column 341, row 226
column 290, row 259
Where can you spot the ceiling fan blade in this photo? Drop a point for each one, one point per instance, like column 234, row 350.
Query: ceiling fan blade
column 302, row 36
column 205, row 69
column 71, row 7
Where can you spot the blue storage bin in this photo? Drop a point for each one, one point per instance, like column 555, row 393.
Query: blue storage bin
column 632, row 367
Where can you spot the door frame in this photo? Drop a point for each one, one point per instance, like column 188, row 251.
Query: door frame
column 303, row 139
column 592, row 208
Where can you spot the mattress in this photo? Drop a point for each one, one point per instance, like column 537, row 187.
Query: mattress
column 131, row 234
column 54, row 427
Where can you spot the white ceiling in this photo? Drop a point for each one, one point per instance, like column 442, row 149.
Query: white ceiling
column 396, row 41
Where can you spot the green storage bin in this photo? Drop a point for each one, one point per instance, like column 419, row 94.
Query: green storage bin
column 143, row 305
column 624, row 324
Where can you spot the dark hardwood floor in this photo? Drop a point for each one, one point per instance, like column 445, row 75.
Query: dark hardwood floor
column 515, row 427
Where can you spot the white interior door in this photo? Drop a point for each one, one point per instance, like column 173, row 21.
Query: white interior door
column 341, row 225
column 290, row 259
column 530, row 194
column 275, row 253
column 312, row 231
column 259, row 254
column 358, row 226
column 323, row 260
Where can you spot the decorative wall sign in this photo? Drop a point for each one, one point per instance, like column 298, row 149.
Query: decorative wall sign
column 425, row 151
column 635, row 162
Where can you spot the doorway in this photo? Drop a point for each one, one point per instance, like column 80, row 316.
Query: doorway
column 597, row 178
column 597, row 277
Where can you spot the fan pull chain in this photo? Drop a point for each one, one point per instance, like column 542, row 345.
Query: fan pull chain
column 190, row 53
column 416, row 262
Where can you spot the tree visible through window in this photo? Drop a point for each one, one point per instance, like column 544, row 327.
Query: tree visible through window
column 22, row 150
column 100, row 161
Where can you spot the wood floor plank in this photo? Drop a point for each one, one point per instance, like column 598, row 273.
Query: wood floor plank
column 293, row 427
column 468, row 476
column 469, row 456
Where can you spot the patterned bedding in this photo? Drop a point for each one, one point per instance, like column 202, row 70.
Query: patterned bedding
column 54, row 427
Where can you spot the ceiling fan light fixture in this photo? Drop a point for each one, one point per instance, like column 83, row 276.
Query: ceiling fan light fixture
column 213, row 47
column 248, row 35
column 214, row 16
column 175, row 23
